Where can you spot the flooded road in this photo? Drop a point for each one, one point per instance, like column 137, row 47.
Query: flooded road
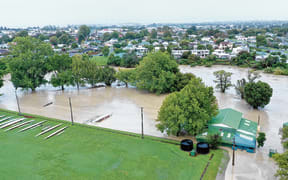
column 124, row 104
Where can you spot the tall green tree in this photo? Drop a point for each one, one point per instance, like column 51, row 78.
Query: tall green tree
column 156, row 73
column 126, row 76
column 182, row 80
column 191, row 30
column 22, row 33
column 62, row 78
column 153, row 34
column 258, row 94
column 83, row 33
column 3, row 71
column 108, row 75
column 114, row 60
column 65, row 38
column 129, row 60
column 29, row 62
column 105, row 51
column 285, row 136
column 282, row 162
column 243, row 58
column 223, row 80
column 53, row 40
column 92, row 72
column 188, row 110
column 261, row 41
column 74, row 45
column 77, row 70
column 61, row 65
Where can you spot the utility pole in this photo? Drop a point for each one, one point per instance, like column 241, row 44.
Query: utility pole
column 142, row 123
column 71, row 110
column 258, row 120
column 233, row 157
column 17, row 102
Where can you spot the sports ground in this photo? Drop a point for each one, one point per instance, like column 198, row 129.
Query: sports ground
column 86, row 152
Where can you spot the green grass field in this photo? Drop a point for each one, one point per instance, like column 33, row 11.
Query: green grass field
column 100, row 60
column 85, row 152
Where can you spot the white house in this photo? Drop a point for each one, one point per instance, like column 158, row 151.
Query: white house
column 156, row 49
column 220, row 53
column 251, row 39
column 155, row 44
column 142, row 50
column 165, row 44
column 239, row 49
column 241, row 38
column 201, row 53
column 207, row 39
column 225, row 45
column 4, row 46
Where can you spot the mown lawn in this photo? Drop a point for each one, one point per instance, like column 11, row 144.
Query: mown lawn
column 100, row 60
column 83, row 152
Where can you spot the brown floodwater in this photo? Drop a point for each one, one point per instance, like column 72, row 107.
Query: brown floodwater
column 124, row 104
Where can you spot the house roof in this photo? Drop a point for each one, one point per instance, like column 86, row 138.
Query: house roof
column 228, row 117
column 247, row 127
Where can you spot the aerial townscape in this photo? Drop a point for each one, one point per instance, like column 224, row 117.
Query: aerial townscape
column 176, row 100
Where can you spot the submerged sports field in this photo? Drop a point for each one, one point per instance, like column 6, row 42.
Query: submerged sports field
column 86, row 152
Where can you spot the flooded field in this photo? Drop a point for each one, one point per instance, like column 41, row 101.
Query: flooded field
column 124, row 104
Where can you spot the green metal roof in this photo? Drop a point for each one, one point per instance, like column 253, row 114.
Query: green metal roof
column 229, row 117
column 248, row 126
column 242, row 129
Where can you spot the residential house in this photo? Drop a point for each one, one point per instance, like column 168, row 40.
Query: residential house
column 260, row 55
column 165, row 44
column 251, row 39
column 225, row 45
column 201, row 53
column 4, row 52
column 140, row 51
column 237, row 50
column 241, row 38
column 220, row 53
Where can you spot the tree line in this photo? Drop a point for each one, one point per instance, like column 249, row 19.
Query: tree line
column 31, row 60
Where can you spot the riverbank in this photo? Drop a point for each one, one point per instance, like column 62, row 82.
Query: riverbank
column 269, row 70
column 84, row 151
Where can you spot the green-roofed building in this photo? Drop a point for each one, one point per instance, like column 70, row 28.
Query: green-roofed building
column 229, row 124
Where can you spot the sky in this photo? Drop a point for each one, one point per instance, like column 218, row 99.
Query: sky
column 23, row 13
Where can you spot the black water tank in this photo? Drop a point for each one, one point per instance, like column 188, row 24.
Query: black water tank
column 187, row 145
column 202, row 148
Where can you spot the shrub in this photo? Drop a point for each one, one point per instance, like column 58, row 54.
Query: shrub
column 214, row 140
column 268, row 70
column 278, row 71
